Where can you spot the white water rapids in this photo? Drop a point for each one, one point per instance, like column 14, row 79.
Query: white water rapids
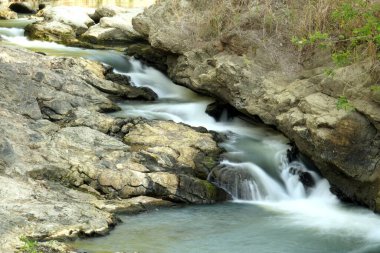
column 255, row 151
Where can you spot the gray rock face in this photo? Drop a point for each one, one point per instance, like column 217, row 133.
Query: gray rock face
column 47, row 87
column 264, row 78
column 65, row 167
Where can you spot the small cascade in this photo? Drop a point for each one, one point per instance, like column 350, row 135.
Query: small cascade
column 255, row 169
column 246, row 181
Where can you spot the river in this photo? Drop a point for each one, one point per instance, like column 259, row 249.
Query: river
column 271, row 210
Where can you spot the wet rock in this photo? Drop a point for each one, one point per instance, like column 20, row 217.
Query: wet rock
column 149, row 55
column 53, row 31
column 292, row 153
column 236, row 181
column 6, row 13
column 22, row 8
column 218, row 110
column 130, row 91
column 304, row 177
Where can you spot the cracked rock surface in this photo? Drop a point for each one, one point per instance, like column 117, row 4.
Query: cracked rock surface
column 66, row 167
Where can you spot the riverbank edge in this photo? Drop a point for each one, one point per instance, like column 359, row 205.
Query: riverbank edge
column 301, row 102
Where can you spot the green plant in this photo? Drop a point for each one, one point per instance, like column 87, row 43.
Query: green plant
column 375, row 88
column 343, row 104
column 30, row 246
column 341, row 58
column 329, row 72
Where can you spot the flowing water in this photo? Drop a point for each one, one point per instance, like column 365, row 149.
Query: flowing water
column 271, row 211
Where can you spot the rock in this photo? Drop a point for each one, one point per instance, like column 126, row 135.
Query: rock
column 132, row 92
column 292, row 154
column 22, row 8
column 115, row 29
column 6, row 13
column 47, row 210
column 53, row 31
column 46, row 87
column 191, row 150
column 41, row 6
column 76, row 17
column 72, row 167
column 265, row 79
column 375, row 94
column 304, row 177
column 220, row 110
column 107, row 11
column 236, row 181
column 151, row 56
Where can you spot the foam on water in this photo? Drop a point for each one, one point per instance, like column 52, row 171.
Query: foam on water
column 254, row 150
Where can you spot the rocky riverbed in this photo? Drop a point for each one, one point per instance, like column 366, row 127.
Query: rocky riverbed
column 66, row 167
column 263, row 79
column 67, row 158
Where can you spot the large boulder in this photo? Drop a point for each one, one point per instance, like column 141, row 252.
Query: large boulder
column 6, row 13
column 115, row 29
column 53, row 31
column 264, row 78
column 76, row 17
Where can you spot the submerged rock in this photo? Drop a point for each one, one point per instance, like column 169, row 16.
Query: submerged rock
column 130, row 91
column 304, row 177
column 219, row 110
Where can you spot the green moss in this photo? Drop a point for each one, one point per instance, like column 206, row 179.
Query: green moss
column 211, row 190
column 30, row 246
column 209, row 162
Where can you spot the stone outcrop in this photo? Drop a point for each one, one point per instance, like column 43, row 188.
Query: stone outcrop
column 76, row 17
column 6, row 13
column 116, row 29
column 266, row 78
column 53, row 31
column 66, row 167
column 75, row 26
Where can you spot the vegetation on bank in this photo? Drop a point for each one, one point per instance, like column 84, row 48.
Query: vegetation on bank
column 349, row 29
column 30, row 246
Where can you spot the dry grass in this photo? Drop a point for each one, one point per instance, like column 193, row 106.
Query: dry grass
column 201, row 21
